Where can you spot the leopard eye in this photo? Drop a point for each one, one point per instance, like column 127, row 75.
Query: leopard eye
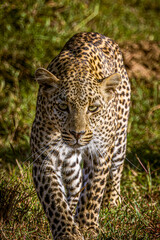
column 93, row 108
column 63, row 106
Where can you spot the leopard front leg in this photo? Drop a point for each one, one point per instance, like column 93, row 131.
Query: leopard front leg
column 112, row 195
column 88, row 208
column 72, row 177
column 51, row 192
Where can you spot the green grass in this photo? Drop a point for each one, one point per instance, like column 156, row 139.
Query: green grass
column 144, row 124
column 32, row 33
column 21, row 214
column 138, row 217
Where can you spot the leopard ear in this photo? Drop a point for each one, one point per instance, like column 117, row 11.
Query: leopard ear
column 109, row 84
column 46, row 78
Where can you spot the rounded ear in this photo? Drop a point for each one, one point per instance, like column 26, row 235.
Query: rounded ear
column 46, row 78
column 109, row 84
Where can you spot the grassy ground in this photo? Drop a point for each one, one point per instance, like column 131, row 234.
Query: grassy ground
column 33, row 32
column 137, row 218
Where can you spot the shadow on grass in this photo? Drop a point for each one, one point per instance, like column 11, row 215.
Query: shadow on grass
column 10, row 154
column 146, row 154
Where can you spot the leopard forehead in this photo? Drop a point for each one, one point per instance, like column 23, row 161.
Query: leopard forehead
column 79, row 92
column 80, row 65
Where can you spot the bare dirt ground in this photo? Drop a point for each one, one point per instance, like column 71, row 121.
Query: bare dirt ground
column 142, row 60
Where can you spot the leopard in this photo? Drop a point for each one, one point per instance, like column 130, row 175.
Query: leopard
column 79, row 134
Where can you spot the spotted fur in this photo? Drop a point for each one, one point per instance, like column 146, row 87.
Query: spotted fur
column 78, row 137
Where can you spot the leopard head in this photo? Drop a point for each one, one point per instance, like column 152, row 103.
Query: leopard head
column 77, row 107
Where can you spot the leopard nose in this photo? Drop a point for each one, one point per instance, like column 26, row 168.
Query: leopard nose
column 77, row 135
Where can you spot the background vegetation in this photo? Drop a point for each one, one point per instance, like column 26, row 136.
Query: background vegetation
column 32, row 33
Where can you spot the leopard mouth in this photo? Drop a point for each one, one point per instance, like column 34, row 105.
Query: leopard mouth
column 76, row 143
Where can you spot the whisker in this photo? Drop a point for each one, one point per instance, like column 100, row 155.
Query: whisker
column 45, row 148
column 37, row 157
column 50, row 142
column 132, row 164
column 90, row 151
column 47, row 163
column 118, row 166
column 33, row 154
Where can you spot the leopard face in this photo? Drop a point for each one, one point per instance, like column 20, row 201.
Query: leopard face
column 79, row 109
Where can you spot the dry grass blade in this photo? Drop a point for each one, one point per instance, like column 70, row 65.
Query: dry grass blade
column 141, row 164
